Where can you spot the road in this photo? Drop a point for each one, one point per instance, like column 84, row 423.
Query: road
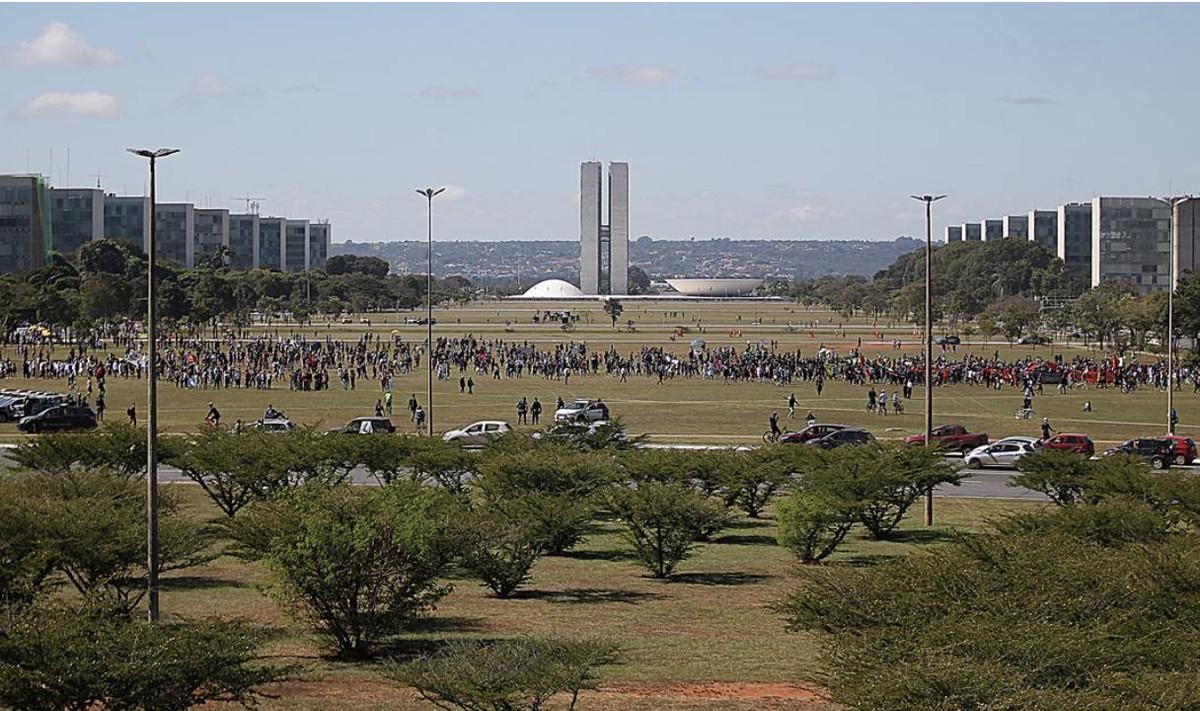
column 980, row 484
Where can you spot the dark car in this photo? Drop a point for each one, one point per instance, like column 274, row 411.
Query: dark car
column 366, row 425
column 809, row 433
column 62, row 417
column 1158, row 452
column 948, row 340
column 1184, row 448
column 1071, row 442
column 843, row 437
column 1034, row 339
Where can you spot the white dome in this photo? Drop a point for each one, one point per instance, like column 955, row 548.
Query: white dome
column 714, row 287
column 552, row 289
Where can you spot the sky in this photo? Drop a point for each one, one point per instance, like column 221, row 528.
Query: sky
column 764, row 121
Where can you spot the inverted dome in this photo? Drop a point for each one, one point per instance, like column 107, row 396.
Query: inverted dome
column 714, row 287
column 552, row 289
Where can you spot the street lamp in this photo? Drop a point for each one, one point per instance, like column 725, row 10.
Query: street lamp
column 152, row 396
column 1172, row 203
column 429, row 194
column 928, row 200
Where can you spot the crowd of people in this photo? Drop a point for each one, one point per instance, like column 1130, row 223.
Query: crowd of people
column 372, row 361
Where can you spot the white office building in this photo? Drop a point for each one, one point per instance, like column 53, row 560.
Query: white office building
column 604, row 247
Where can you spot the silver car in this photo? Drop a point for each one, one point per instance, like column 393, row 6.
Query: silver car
column 582, row 409
column 1001, row 453
column 479, row 433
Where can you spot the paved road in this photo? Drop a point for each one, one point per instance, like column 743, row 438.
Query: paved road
column 981, row 484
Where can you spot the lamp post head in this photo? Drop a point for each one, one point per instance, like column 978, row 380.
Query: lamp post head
column 147, row 153
column 429, row 193
column 927, row 198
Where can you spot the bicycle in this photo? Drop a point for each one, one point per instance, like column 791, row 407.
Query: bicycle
column 1024, row 413
column 770, row 437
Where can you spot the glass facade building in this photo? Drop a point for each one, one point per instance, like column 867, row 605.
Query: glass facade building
column 972, row 231
column 211, row 234
column 953, row 233
column 1016, row 227
column 175, row 225
column 77, row 216
column 295, row 247
column 1043, row 228
column 25, row 223
column 993, row 229
column 1074, row 244
column 270, row 242
column 318, row 245
column 1131, row 241
column 127, row 219
column 243, row 242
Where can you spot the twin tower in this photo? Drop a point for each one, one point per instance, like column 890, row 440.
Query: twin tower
column 604, row 247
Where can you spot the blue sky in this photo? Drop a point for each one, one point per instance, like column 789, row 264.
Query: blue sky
column 789, row 121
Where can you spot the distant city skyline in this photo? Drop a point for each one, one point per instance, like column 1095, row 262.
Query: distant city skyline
column 760, row 121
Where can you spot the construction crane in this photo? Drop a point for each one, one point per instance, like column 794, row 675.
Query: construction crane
column 252, row 203
column 98, row 176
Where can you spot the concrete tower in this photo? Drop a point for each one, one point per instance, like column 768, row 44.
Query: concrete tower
column 604, row 248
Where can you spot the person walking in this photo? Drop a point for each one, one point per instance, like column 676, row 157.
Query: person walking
column 412, row 408
column 462, row 385
column 791, row 401
column 378, row 408
column 1046, row 428
column 131, row 413
column 522, row 412
column 1174, row 420
column 100, row 406
column 536, row 410
column 419, row 418
column 387, row 402
column 470, row 385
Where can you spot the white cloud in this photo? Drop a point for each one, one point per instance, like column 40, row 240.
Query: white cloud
column 306, row 88
column 795, row 72
column 90, row 103
column 213, row 88
column 446, row 93
column 629, row 74
column 58, row 44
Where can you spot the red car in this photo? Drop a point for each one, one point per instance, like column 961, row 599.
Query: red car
column 1184, row 448
column 809, row 433
column 1069, row 442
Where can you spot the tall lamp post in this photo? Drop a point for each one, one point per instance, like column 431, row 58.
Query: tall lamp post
column 928, row 200
column 1172, row 203
column 429, row 194
column 152, row 396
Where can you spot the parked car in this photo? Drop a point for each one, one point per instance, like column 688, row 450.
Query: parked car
column 1159, row 452
column 1002, row 453
column 1071, row 442
column 15, row 404
column 366, row 425
column 582, row 409
column 840, row 438
column 954, row 438
column 597, row 434
column 1184, row 448
column 1034, row 339
column 62, row 417
column 808, row 433
column 478, row 433
column 274, row 425
column 947, row 340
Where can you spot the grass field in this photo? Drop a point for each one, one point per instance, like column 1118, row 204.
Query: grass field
column 681, row 410
column 704, row 640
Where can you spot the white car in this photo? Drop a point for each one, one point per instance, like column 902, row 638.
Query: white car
column 582, row 409
column 1001, row 453
column 478, row 433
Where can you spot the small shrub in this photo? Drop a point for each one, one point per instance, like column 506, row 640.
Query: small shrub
column 811, row 524
column 664, row 522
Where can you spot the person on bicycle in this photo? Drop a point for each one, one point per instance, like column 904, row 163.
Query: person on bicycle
column 214, row 415
column 810, row 419
column 775, row 432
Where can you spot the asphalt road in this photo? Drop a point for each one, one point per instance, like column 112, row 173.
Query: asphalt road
column 981, row 484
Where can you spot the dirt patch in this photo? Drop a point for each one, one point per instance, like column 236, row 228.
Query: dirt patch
column 775, row 696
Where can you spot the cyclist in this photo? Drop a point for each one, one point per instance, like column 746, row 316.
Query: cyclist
column 214, row 415
column 775, row 432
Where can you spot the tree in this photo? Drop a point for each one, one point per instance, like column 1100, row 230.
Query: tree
column 25, row 564
column 664, row 522
column 613, row 308
column 56, row 655
column 506, row 675
column 235, row 469
column 503, row 546
column 881, row 482
column 1098, row 312
column 359, row 564
column 1019, row 620
column 1014, row 315
column 114, row 445
column 813, row 523
column 754, row 478
column 90, row 525
column 639, row 283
